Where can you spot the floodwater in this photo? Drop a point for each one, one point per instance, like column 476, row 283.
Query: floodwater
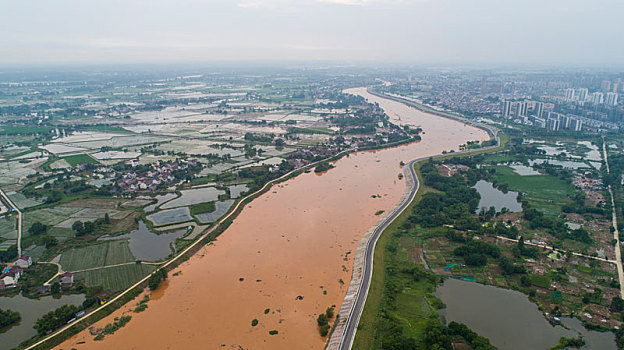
column 282, row 253
column 147, row 245
column 30, row 310
column 509, row 319
column 493, row 197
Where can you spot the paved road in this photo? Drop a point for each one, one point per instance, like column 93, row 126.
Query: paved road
column 350, row 328
column 19, row 221
column 616, row 233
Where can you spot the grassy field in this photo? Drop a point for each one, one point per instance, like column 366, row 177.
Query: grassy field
column 80, row 158
column 108, row 253
column 18, row 130
column 544, row 192
column 201, row 208
column 115, row 278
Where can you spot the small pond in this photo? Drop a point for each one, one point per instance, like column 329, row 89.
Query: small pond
column 160, row 199
column 147, row 245
column 194, row 196
column 568, row 164
column 492, row 197
column 221, row 208
column 171, row 216
column 509, row 319
column 524, row 170
column 30, row 310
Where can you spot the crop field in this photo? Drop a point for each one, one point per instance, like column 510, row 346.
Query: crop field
column 108, row 253
column 49, row 216
column 544, row 192
column 115, row 278
column 7, row 227
column 80, row 158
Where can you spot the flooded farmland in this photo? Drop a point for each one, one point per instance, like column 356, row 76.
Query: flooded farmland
column 289, row 251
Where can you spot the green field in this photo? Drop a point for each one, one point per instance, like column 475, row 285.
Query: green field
column 115, row 278
column 201, row 208
column 108, row 253
column 540, row 280
column 80, row 158
column 18, row 130
column 544, row 192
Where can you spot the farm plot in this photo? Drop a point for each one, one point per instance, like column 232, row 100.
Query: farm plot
column 49, row 216
column 88, row 214
column 76, row 159
column 194, row 196
column 22, row 201
column 115, row 278
column 8, row 227
column 104, row 254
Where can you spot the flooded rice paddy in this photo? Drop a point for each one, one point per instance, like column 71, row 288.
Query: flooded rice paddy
column 147, row 245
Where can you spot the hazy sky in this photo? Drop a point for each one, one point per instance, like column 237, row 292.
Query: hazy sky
column 578, row 32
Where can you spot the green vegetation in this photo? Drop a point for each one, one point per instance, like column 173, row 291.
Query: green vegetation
column 111, row 328
column 96, row 255
column 323, row 166
column 116, row 278
column 254, row 322
column 379, row 212
column 273, row 332
column 201, row 208
column 266, row 311
column 142, row 305
column 154, row 281
column 567, row 343
column 76, row 159
column 8, row 317
column 54, row 319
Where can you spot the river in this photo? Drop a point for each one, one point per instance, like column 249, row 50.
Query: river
column 289, row 251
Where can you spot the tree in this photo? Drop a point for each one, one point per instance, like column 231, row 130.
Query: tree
column 106, row 219
column 78, row 227
column 56, row 288
column 8, row 317
column 322, row 320
column 37, row 228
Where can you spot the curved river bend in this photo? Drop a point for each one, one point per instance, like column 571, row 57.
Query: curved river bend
column 288, row 251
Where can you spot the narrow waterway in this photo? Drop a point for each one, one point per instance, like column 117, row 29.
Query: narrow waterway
column 289, row 251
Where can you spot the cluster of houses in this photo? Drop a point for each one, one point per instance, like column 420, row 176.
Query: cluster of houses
column 160, row 172
column 10, row 275
column 587, row 183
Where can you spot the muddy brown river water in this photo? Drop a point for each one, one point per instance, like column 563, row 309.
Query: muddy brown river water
column 288, row 252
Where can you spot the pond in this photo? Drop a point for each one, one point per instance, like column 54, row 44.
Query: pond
column 237, row 190
column 30, row 310
column 160, row 199
column 194, row 196
column 147, row 245
column 221, row 208
column 171, row 216
column 509, row 319
column 568, row 164
column 492, row 197
column 524, row 170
